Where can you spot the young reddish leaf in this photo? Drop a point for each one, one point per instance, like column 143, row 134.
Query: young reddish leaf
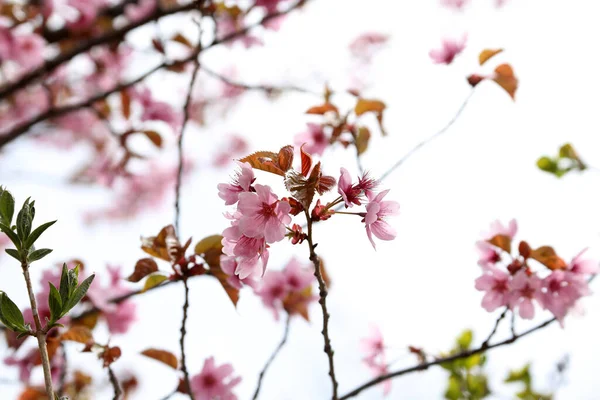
column 78, row 333
column 364, row 106
column 487, row 54
column 325, row 184
column 31, row 393
column 501, row 241
column 297, row 208
column 163, row 356
column 475, row 79
column 88, row 320
column 165, row 246
column 179, row 38
column 324, row 273
column 505, row 77
column 524, row 249
column 548, row 257
column 285, row 158
column 153, row 281
column 210, row 248
column 143, row 268
column 154, row 137
column 264, row 161
column 306, row 161
column 297, row 302
column 323, row 109
column 110, row 355
column 125, row 104
column 232, row 293
column 362, row 140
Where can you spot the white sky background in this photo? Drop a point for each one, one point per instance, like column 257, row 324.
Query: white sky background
column 418, row 288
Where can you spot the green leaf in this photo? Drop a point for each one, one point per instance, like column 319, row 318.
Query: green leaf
column 73, row 280
column 10, row 315
column 7, row 207
column 55, row 303
column 38, row 254
column 453, row 391
column 64, row 284
column 153, row 280
column 465, row 339
column 13, row 253
column 547, row 164
column 79, row 293
column 24, row 220
column 11, row 235
column 520, row 375
column 477, row 385
column 36, row 233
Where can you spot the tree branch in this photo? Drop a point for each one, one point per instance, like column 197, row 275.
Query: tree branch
column 328, row 349
column 115, row 383
column 272, row 358
column 186, row 375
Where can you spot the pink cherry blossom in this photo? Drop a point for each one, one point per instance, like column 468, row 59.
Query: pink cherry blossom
column 377, row 211
column 562, row 289
column 235, row 146
column 449, row 50
column 251, row 254
column 297, row 275
column 269, row 5
column 581, row 266
column 488, row 254
column 366, row 45
column 27, row 50
column 229, row 265
column 88, row 10
column 263, row 215
column 314, row 140
column 241, row 183
column 455, row 4
column 273, row 290
column 214, row 382
column 496, row 285
column 373, row 346
column 153, row 110
column 143, row 8
column 524, row 289
column 350, row 193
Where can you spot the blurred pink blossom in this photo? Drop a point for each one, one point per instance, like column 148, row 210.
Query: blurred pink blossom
column 449, row 50
column 367, row 44
column 143, row 8
column 455, row 4
column 496, row 285
column 214, row 382
column 314, row 140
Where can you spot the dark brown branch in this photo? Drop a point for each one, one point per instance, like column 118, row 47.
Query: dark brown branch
column 62, row 58
column 21, row 129
column 438, row 361
column 272, row 358
column 328, row 349
column 115, row 383
column 186, row 375
column 498, row 320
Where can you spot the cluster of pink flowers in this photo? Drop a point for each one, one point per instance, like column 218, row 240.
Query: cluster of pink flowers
column 260, row 219
column 375, row 358
column 25, row 49
column 377, row 209
column 289, row 289
column 509, row 281
column 214, row 382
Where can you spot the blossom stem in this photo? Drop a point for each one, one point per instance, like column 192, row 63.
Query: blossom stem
column 328, row 349
column 270, row 360
column 498, row 320
column 115, row 383
column 350, row 213
column 40, row 334
column 186, row 375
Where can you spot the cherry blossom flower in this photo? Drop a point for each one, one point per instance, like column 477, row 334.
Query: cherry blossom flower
column 377, row 211
column 88, row 10
column 449, row 50
column 298, row 276
column 354, row 194
column 263, row 215
column 27, row 50
column 143, row 8
column 524, row 289
column 251, row 254
column 455, row 4
column 496, row 285
column 214, row 382
column 374, row 349
column 241, row 183
column 269, row 5
column 153, row 110
column 562, row 289
column 273, row 290
column 314, row 140
column 229, row 265
column 366, row 45
column 581, row 266
column 488, row 254
column 236, row 145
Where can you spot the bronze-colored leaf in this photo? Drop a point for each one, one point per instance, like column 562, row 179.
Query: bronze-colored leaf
column 158, row 45
column 210, row 248
column 31, row 393
column 364, row 106
column 501, row 241
column 362, row 140
column 163, row 356
column 325, row 184
column 154, row 137
column 153, row 281
column 165, row 246
column 322, row 109
column 88, row 319
column 285, row 158
column 179, row 38
column 143, row 268
column 232, row 292
column 524, row 249
column 264, row 161
column 487, row 54
column 505, row 77
column 548, row 257
column 297, row 302
column 306, row 161
column 110, row 355
column 125, row 103
column 78, row 333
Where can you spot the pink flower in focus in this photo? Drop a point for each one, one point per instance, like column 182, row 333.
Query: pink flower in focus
column 525, row 288
column 314, row 139
column 251, row 253
column 141, row 10
column 349, row 193
column 229, row 265
column 455, row 4
column 241, row 183
column 581, row 266
column 562, row 289
column 263, row 215
column 449, row 50
column 377, row 211
column 496, row 283
column 214, row 382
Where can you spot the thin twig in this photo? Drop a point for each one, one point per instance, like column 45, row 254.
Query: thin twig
column 273, row 355
column 498, row 320
column 115, row 383
column 328, row 349
column 20, row 129
column 438, row 361
column 186, row 375
column 63, row 372
column 429, row 139
column 40, row 334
